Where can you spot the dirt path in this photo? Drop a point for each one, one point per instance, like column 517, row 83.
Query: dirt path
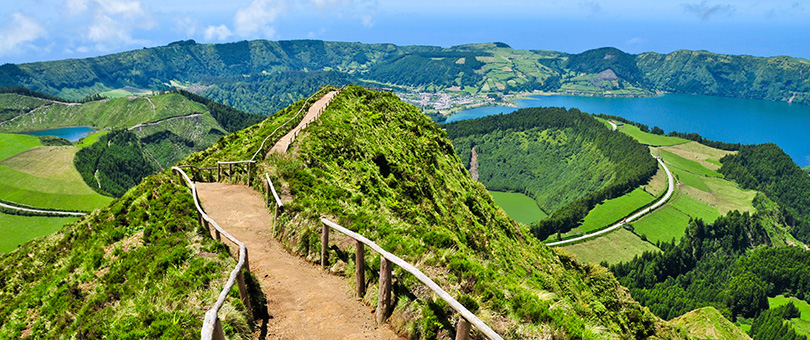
column 312, row 114
column 474, row 164
column 304, row 301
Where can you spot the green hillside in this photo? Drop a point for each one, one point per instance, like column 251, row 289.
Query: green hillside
column 380, row 167
column 707, row 323
column 565, row 160
column 265, row 76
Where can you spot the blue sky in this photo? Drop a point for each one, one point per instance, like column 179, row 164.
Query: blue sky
column 36, row 30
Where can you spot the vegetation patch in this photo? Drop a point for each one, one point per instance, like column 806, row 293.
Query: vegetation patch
column 565, row 159
column 688, row 165
column 139, row 268
column 708, row 324
column 666, row 224
column 518, row 206
column 44, row 177
column 649, row 138
column 16, row 143
column 114, row 164
column 614, row 210
column 614, row 247
column 802, row 323
column 17, row 229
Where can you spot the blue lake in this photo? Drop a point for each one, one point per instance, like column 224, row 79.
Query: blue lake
column 730, row 120
column 70, row 133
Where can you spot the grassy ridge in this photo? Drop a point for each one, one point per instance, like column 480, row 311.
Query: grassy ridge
column 707, row 323
column 139, row 268
column 649, row 138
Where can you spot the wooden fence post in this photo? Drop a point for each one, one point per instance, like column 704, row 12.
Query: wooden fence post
column 248, row 174
column 384, row 297
column 324, row 244
column 218, row 333
column 243, row 293
column 230, row 171
column 247, row 260
column 219, row 171
column 463, row 329
column 360, row 269
column 218, row 236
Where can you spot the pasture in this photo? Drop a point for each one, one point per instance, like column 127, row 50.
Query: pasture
column 608, row 212
column 17, row 230
column 518, row 206
column 45, row 177
column 802, row 323
column 618, row 246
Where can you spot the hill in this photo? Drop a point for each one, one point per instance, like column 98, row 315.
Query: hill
column 565, row 159
column 707, row 323
column 265, row 76
column 381, row 168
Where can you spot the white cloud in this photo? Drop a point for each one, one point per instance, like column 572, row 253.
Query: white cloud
column 255, row 20
column 186, row 25
column 109, row 24
column 220, row 33
column 19, row 32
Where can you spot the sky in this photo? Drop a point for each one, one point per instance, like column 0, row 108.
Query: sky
column 40, row 30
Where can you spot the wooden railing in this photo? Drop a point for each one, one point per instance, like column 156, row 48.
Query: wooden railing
column 212, row 327
column 384, row 306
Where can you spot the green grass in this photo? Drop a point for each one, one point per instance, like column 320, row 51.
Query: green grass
column 663, row 225
column 707, row 323
column 690, row 179
column 649, row 138
column 695, row 208
column 688, row 165
column 17, row 230
column 518, row 206
column 45, row 177
column 91, row 139
column 610, row 211
column 802, row 323
column 12, row 144
column 617, row 246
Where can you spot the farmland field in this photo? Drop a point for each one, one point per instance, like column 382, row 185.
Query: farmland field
column 614, row 247
column 14, row 144
column 663, row 225
column 45, row 177
column 649, row 138
column 610, row 211
column 518, row 206
column 17, row 230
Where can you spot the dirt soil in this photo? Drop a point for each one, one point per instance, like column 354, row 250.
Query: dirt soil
column 311, row 116
column 303, row 301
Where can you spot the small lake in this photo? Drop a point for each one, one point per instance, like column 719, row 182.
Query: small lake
column 70, row 133
column 730, row 120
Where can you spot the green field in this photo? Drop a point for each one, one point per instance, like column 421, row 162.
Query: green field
column 802, row 323
column 688, row 165
column 614, row 247
column 17, row 230
column 12, row 144
column 125, row 92
column 518, row 206
column 662, row 225
column 649, row 138
column 611, row 211
column 89, row 140
column 690, row 179
column 45, row 177
column 695, row 208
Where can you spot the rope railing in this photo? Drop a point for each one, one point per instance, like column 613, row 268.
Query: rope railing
column 212, row 326
column 384, row 296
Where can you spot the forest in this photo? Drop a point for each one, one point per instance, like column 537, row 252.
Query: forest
column 114, row 164
column 767, row 168
column 518, row 151
column 228, row 117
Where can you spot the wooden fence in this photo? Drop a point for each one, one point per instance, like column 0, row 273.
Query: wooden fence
column 212, row 326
